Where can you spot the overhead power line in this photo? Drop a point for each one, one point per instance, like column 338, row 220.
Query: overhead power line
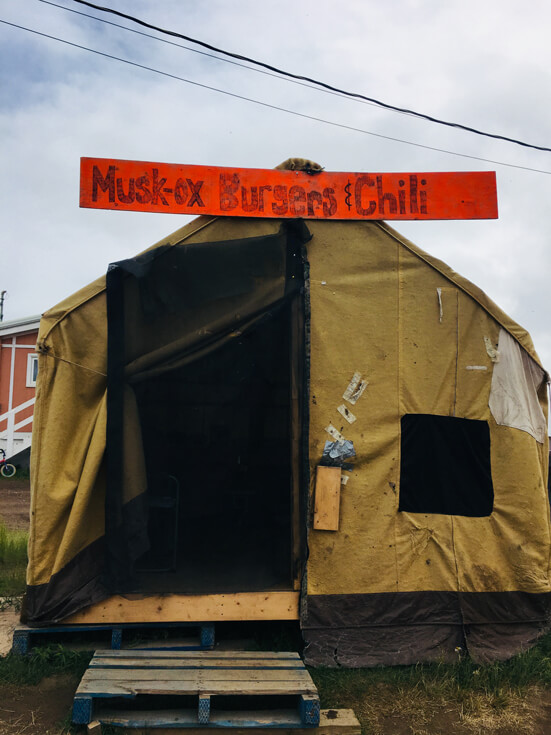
column 268, row 105
column 212, row 56
column 300, row 77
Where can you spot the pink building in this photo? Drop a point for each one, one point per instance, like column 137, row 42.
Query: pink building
column 18, row 371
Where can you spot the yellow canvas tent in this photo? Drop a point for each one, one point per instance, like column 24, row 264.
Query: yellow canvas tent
column 266, row 420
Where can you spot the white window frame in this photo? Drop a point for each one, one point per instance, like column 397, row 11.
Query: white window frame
column 32, row 360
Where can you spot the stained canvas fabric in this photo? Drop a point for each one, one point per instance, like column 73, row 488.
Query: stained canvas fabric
column 391, row 585
column 413, row 333
column 91, row 517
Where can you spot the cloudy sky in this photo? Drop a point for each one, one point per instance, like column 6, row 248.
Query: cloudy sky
column 483, row 64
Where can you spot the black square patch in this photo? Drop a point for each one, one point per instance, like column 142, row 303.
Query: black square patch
column 445, row 466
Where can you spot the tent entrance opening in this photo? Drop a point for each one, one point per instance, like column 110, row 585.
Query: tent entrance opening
column 218, row 442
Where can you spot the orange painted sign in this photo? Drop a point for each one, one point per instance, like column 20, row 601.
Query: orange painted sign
column 139, row 186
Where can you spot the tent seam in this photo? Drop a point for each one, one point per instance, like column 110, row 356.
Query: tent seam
column 400, row 407
column 456, row 354
column 426, row 259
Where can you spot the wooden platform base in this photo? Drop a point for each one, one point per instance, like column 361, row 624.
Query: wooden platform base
column 187, row 689
column 332, row 722
column 200, row 636
column 274, row 605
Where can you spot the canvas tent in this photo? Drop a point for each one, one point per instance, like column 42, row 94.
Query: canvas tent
column 182, row 413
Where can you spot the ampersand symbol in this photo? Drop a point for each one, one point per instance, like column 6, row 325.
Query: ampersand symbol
column 348, row 195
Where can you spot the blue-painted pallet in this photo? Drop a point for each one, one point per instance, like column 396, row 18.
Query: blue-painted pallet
column 24, row 636
column 208, row 688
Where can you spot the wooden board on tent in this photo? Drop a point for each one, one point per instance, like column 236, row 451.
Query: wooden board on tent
column 142, row 186
column 327, row 498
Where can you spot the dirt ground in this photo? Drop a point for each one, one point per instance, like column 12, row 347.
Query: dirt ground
column 8, row 620
column 37, row 710
column 45, row 710
column 15, row 497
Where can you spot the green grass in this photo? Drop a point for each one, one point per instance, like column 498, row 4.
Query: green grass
column 41, row 662
column 484, row 697
column 526, row 669
column 492, row 698
column 13, row 561
column 497, row 698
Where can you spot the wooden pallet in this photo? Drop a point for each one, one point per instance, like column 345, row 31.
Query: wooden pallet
column 332, row 722
column 181, row 689
column 24, row 637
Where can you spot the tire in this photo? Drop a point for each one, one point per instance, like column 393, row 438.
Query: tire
column 7, row 470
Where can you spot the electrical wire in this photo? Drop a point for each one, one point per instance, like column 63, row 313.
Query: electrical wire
column 268, row 105
column 213, row 56
column 275, row 69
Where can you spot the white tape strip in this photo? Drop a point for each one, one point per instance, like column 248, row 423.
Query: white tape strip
column 348, row 415
column 476, row 367
column 335, row 433
column 491, row 350
column 355, row 388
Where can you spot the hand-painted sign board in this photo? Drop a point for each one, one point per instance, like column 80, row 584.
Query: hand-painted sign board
column 139, row 186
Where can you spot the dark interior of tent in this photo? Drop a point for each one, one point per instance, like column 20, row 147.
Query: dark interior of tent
column 210, row 340
column 217, row 443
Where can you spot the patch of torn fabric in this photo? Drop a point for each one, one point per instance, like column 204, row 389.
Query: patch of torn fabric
column 355, row 388
column 514, row 390
column 348, row 415
column 339, row 450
